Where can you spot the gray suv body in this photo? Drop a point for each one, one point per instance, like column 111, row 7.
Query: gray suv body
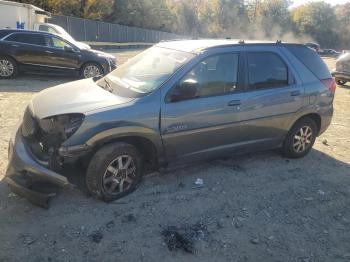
column 178, row 101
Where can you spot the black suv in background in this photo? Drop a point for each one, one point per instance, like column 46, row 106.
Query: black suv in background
column 22, row 50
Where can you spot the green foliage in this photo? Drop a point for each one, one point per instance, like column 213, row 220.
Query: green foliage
column 268, row 19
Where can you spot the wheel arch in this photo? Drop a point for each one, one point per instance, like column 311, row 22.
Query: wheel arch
column 314, row 116
column 91, row 62
column 147, row 141
column 10, row 56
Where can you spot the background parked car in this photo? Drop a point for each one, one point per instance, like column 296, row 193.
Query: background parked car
column 342, row 69
column 329, row 52
column 22, row 50
column 314, row 46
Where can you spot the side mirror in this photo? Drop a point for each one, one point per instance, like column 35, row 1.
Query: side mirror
column 185, row 90
column 68, row 48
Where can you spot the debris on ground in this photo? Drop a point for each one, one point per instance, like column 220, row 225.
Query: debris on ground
column 96, row 236
column 321, row 192
column 128, row 218
column 183, row 238
column 181, row 185
column 110, row 224
column 325, row 142
column 199, row 182
column 28, row 240
column 11, row 195
column 254, row 241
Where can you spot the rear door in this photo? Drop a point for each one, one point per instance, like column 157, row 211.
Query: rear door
column 28, row 48
column 273, row 94
column 206, row 124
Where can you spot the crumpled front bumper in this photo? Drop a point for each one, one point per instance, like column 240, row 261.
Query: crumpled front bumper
column 27, row 177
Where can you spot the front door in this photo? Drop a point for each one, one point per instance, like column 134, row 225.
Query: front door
column 61, row 54
column 206, row 122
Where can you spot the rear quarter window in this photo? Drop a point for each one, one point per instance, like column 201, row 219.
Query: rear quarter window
column 26, row 38
column 3, row 34
column 311, row 60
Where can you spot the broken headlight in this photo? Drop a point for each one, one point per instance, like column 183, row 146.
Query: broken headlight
column 63, row 125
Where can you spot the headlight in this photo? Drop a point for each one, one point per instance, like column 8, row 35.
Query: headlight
column 66, row 125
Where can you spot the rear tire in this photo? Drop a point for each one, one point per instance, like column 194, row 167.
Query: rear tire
column 300, row 139
column 8, row 67
column 90, row 70
column 340, row 82
column 114, row 171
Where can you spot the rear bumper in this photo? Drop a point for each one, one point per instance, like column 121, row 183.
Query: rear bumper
column 24, row 172
column 341, row 75
column 326, row 120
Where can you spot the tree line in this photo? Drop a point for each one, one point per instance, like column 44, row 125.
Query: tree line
column 241, row 19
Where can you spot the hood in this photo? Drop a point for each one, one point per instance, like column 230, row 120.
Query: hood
column 100, row 53
column 82, row 45
column 74, row 97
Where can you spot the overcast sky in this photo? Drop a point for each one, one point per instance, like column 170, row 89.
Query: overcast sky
column 332, row 2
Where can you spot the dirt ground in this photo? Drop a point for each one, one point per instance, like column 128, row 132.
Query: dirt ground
column 256, row 207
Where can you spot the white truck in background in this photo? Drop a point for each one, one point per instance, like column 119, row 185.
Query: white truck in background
column 16, row 15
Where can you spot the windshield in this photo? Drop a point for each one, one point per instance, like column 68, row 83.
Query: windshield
column 145, row 72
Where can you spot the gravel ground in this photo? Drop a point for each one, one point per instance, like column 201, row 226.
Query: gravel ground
column 256, row 207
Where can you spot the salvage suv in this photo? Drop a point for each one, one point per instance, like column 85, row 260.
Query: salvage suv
column 176, row 102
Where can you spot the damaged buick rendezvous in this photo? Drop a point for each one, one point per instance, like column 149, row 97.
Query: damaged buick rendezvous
column 177, row 101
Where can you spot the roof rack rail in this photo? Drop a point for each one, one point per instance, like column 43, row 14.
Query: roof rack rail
column 241, row 42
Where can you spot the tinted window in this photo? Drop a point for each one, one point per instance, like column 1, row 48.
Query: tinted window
column 311, row 60
column 216, row 75
column 34, row 39
column 266, row 70
column 3, row 34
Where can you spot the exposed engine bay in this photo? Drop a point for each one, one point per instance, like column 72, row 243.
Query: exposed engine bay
column 45, row 136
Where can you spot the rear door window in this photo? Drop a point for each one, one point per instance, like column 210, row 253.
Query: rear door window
column 266, row 70
column 33, row 39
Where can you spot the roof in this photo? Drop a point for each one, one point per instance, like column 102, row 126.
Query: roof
column 195, row 46
column 9, row 31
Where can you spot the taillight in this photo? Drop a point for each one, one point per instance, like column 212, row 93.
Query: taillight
column 330, row 84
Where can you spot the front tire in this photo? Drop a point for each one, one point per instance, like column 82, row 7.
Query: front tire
column 300, row 139
column 114, row 171
column 8, row 67
column 90, row 70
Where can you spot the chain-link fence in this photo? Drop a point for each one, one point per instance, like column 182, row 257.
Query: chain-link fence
column 97, row 31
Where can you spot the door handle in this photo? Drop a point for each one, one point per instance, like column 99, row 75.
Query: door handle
column 234, row 103
column 295, row 93
column 14, row 45
column 48, row 52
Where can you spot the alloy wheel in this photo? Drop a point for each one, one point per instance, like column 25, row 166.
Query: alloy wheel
column 119, row 175
column 91, row 71
column 302, row 139
column 6, row 68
